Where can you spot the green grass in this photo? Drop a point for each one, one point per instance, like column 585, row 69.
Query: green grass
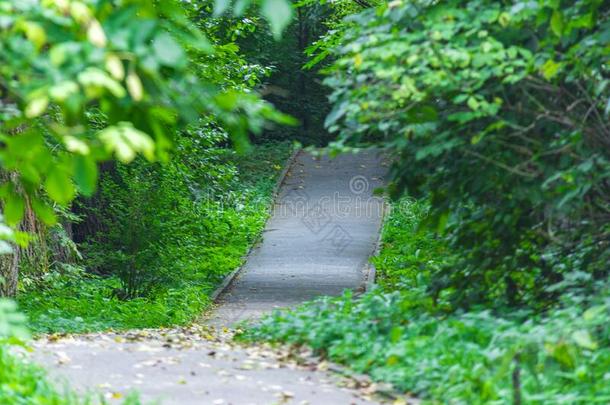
column 396, row 334
column 408, row 253
column 72, row 300
column 88, row 305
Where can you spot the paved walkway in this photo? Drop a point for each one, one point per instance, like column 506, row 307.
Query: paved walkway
column 323, row 228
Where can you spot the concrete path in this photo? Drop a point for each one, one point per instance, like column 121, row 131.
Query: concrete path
column 192, row 366
column 323, row 228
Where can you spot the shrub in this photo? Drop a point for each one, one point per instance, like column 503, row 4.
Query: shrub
column 467, row 358
column 169, row 234
column 497, row 115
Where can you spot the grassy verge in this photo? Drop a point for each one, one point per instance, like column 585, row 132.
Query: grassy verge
column 202, row 242
column 398, row 335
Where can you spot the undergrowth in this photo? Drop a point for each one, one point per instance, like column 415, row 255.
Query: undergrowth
column 401, row 334
column 195, row 230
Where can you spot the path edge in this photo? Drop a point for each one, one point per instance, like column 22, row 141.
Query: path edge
column 228, row 280
column 371, row 270
column 370, row 276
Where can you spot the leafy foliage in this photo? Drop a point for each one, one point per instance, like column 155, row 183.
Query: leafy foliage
column 12, row 323
column 497, row 113
column 410, row 254
column 469, row 358
column 288, row 86
column 169, row 234
column 128, row 62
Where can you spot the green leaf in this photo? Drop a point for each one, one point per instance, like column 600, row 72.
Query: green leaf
column 473, row 103
column 134, row 86
column 584, row 340
column 44, row 212
column 422, row 113
column 59, row 186
column 584, row 21
column 76, row 145
column 168, row 51
column 85, row 174
column 278, row 13
column 36, row 106
column 93, row 78
column 14, row 208
column 593, row 312
column 442, row 223
column 396, row 334
column 228, row 100
column 125, row 141
column 550, row 69
column 557, row 23
column 34, row 33
column 62, row 90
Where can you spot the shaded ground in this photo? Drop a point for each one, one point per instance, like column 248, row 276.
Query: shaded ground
column 324, row 226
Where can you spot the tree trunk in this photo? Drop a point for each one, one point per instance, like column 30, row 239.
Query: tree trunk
column 35, row 253
column 9, row 273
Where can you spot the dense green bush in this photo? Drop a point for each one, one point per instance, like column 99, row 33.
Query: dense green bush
column 168, row 235
column 410, row 253
column 140, row 82
column 159, row 222
column 188, row 221
column 498, row 115
column 470, row 358
column 85, row 82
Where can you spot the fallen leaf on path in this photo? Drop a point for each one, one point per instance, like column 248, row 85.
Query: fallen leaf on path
column 62, row 358
column 285, row 395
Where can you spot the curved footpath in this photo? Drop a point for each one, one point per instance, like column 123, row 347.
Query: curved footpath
column 324, row 226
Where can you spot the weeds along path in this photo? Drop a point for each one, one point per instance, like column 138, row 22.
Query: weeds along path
column 323, row 228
